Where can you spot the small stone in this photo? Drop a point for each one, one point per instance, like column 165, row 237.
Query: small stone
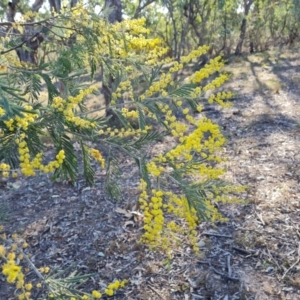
column 201, row 244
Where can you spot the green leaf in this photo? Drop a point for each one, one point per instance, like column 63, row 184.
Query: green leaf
column 52, row 90
column 123, row 119
column 69, row 168
column 183, row 91
column 112, row 173
column 93, row 66
column 141, row 118
column 88, row 171
column 141, row 162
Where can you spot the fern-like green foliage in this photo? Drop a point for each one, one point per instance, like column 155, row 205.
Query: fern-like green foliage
column 138, row 121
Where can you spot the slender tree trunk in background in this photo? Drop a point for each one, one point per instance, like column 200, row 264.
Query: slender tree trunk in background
column 239, row 46
column 203, row 10
column 31, row 39
column 238, row 49
column 116, row 10
column 114, row 16
column 170, row 7
column 184, row 30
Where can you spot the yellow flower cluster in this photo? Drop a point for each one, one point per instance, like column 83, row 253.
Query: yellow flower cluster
column 210, row 68
column 124, row 132
column 14, row 274
column 112, row 287
column 29, row 15
column 45, row 270
column 68, row 106
column 216, row 83
column 154, row 170
column 194, row 54
column 4, row 168
column 123, row 86
column 12, row 60
column 142, row 44
column 154, row 55
column 11, row 270
column 134, row 26
column 21, row 123
column 220, row 97
column 158, row 86
column 2, row 111
column 28, row 167
column 180, row 207
column 96, row 294
column 159, row 233
column 176, row 67
column 194, row 141
column 130, row 114
column 153, row 217
column 98, row 157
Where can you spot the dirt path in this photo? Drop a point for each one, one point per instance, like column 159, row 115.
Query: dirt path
column 253, row 256
column 263, row 150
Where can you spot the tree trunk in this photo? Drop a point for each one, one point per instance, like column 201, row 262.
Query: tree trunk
column 184, row 30
column 114, row 16
column 239, row 46
column 31, row 39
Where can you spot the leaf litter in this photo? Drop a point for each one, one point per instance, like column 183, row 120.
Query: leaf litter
column 255, row 255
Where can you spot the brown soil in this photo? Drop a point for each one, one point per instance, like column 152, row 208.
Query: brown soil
column 255, row 255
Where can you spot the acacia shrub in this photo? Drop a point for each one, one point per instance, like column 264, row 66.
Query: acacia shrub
column 181, row 182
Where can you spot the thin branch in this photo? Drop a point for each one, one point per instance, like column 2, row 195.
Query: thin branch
column 140, row 8
column 10, row 23
column 293, row 265
column 225, row 275
column 21, row 44
column 37, row 272
column 229, row 266
column 218, row 235
column 30, row 23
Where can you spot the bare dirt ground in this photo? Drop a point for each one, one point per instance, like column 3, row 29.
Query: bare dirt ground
column 254, row 256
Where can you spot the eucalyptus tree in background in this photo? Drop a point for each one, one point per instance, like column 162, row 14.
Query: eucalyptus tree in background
column 247, row 6
column 31, row 38
column 115, row 15
column 32, row 35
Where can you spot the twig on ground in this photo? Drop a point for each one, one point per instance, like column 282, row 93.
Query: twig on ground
column 218, row 235
column 225, row 275
column 203, row 262
column 293, row 265
column 272, row 258
column 229, row 266
column 155, row 291
column 244, row 251
column 197, row 296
